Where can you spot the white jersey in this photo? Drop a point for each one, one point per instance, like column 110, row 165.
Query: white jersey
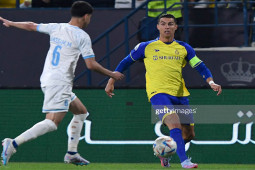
column 67, row 42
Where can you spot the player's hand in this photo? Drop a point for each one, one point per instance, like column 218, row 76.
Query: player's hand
column 217, row 88
column 110, row 88
column 5, row 22
column 117, row 75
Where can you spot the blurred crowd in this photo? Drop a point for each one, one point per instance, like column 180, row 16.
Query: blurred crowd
column 112, row 3
column 53, row 3
column 220, row 3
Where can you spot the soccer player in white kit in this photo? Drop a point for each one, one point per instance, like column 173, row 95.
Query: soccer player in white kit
column 67, row 42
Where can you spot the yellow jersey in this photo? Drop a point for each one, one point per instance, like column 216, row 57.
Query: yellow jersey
column 164, row 63
column 9, row 3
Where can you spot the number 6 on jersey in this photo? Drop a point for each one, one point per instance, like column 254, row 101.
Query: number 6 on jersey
column 56, row 56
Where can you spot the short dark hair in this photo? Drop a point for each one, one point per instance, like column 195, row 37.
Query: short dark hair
column 80, row 8
column 167, row 16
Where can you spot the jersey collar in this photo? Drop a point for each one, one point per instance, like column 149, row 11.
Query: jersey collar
column 167, row 43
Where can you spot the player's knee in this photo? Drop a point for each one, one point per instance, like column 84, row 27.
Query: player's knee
column 52, row 126
column 172, row 121
column 82, row 116
column 80, row 110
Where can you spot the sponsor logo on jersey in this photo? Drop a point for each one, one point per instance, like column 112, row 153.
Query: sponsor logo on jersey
column 155, row 57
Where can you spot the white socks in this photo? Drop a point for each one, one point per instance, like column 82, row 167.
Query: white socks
column 37, row 130
column 74, row 131
column 45, row 126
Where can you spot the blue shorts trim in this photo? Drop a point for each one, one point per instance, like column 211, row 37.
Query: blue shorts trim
column 56, row 110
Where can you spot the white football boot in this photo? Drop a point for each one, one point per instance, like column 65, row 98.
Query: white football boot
column 75, row 159
column 8, row 150
column 188, row 164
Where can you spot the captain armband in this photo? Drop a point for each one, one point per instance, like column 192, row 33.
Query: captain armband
column 195, row 61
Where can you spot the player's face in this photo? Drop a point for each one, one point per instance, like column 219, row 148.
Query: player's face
column 167, row 27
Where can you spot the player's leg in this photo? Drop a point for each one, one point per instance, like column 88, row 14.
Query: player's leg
column 40, row 128
column 74, row 131
column 188, row 132
column 187, row 126
column 49, row 124
column 173, row 123
column 55, row 106
column 177, row 134
column 187, row 120
column 171, row 120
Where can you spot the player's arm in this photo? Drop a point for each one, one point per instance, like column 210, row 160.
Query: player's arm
column 92, row 64
column 136, row 54
column 199, row 65
column 123, row 65
column 29, row 26
column 207, row 76
column 85, row 47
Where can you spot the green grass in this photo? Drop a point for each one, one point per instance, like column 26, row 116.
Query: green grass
column 116, row 166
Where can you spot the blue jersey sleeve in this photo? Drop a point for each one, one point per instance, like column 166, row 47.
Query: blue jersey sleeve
column 124, row 64
column 195, row 62
column 136, row 54
column 203, row 71
column 191, row 55
column 190, row 51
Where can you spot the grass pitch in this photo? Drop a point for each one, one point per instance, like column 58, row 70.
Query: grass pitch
column 117, row 166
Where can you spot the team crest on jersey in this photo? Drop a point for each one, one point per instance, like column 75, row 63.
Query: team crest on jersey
column 137, row 46
column 177, row 52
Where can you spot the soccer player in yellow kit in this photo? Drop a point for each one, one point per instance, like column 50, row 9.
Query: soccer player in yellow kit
column 164, row 59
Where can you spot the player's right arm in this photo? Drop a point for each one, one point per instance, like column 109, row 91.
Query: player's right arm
column 136, row 54
column 109, row 88
column 123, row 65
column 29, row 26
column 92, row 64
column 85, row 47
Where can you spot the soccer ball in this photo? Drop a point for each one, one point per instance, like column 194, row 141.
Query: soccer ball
column 164, row 146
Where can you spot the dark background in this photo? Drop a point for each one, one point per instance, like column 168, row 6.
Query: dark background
column 22, row 53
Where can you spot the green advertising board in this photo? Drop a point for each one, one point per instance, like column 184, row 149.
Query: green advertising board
column 119, row 129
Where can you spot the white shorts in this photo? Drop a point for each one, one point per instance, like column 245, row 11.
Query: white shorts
column 57, row 98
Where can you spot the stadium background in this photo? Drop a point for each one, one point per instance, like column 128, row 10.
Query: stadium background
column 126, row 116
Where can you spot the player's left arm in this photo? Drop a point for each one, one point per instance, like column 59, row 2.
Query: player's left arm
column 28, row 26
column 199, row 65
column 207, row 76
